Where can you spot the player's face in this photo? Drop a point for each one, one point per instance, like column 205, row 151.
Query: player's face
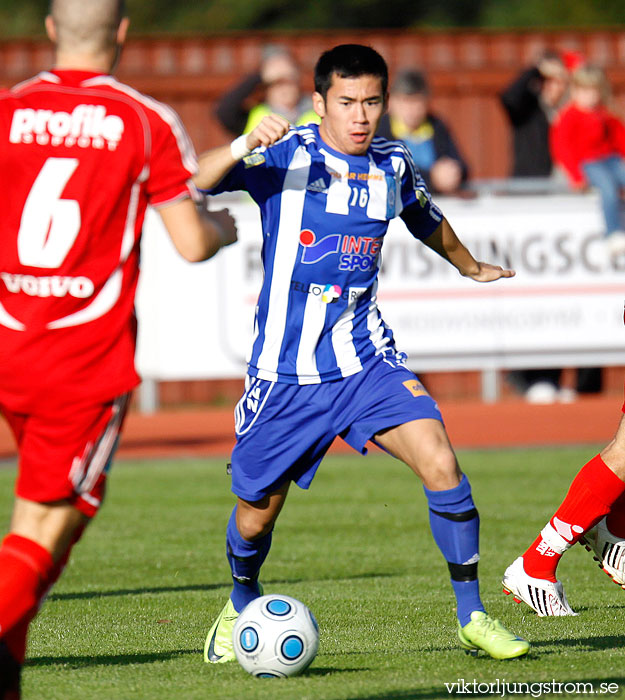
column 350, row 113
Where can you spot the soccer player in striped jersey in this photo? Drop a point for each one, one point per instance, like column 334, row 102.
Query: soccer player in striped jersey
column 323, row 362
column 81, row 157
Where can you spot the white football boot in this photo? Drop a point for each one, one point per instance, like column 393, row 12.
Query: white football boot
column 608, row 549
column 545, row 597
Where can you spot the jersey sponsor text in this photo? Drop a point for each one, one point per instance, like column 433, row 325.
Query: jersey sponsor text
column 86, row 126
column 48, row 286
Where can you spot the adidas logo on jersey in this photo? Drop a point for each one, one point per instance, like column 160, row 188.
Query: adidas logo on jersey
column 317, row 186
column 87, row 126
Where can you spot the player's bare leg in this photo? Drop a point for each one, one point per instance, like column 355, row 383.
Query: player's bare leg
column 614, row 453
column 592, row 513
column 424, row 446
column 51, row 525
column 255, row 519
column 248, row 539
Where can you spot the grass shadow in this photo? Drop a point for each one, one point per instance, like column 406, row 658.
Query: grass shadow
column 88, row 595
column 590, row 643
column 107, row 659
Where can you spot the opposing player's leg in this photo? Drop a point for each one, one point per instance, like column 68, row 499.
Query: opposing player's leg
column 62, row 470
column 248, row 540
column 424, row 446
column 262, row 470
column 598, row 488
column 32, row 557
column 606, row 540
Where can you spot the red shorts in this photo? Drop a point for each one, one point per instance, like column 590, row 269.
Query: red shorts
column 65, row 454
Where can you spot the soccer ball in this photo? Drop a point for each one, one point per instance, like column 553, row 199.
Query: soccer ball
column 275, row 636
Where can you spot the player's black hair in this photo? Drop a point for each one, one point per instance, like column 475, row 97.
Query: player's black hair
column 349, row 61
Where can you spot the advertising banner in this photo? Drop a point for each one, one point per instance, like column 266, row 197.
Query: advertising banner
column 564, row 307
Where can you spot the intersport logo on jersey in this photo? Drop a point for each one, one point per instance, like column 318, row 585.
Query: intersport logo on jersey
column 88, row 126
column 355, row 252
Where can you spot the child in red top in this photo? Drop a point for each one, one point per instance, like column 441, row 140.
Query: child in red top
column 589, row 142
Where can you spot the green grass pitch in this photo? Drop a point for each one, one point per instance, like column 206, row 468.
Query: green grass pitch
column 129, row 616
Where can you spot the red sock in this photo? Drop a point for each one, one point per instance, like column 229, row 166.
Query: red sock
column 16, row 637
column 24, row 567
column 616, row 517
column 591, row 495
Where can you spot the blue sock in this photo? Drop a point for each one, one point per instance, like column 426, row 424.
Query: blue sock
column 245, row 560
column 455, row 525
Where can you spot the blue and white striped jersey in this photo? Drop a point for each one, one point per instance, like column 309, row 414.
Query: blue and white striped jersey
column 324, row 217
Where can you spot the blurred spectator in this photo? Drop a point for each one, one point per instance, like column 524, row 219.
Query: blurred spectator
column 531, row 103
column 426, row 136
column 274, row 88
column 589, row 142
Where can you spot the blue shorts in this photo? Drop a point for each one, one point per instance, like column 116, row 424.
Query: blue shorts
column 284, row 430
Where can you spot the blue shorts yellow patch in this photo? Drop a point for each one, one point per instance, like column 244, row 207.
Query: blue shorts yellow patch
column 284, row 430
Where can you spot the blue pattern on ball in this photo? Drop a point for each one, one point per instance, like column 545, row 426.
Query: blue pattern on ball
column 249, row 639
column 292, row 647
column 278, row 607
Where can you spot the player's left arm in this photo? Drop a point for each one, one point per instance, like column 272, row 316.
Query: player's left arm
column 446, row 243
column 426, row 222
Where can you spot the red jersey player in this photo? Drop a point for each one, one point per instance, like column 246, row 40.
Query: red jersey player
column 81, row 157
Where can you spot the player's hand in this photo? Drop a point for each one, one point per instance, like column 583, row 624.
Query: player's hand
column 224, row 224
column 271, row 129
column 489, row 273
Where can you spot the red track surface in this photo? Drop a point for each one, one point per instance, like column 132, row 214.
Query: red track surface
column 205, row 432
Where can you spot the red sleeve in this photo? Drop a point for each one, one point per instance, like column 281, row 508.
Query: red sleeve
column 564, row 149
column 172, row 160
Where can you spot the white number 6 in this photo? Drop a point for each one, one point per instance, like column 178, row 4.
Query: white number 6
column 49, row 224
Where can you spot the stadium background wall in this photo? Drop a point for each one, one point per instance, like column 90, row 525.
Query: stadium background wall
column 467, row 70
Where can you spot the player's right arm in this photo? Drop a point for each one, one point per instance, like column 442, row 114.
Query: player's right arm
column 196, row 233
column 215, row 164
